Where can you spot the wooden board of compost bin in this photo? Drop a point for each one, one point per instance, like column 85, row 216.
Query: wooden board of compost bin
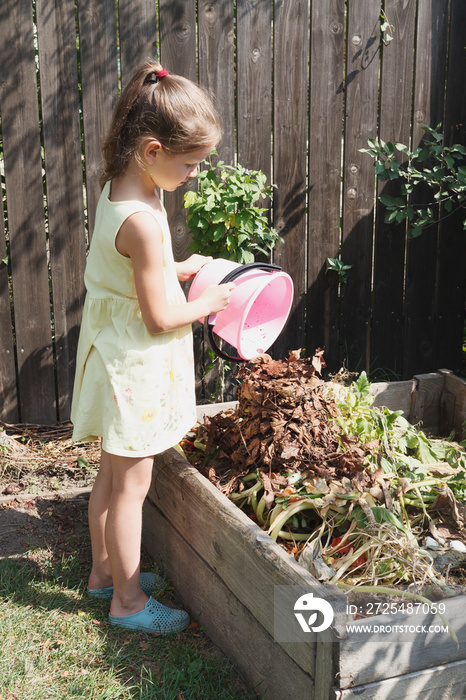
column 225, row 570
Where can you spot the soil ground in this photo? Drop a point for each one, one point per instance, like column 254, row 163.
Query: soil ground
column 45, row 480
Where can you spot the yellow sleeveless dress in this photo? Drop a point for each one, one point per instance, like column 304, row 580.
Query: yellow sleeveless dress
column 133, row 388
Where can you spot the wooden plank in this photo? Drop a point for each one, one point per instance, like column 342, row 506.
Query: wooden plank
column 361, row 91
column 327, row 670
column 99, row 79
column 264, row 665
column 211, row 409
column 397, row 396
column 325, row 144
column 138, row 35
column 56, row 32
column 451, row 261
column 417, row 406
column 445, row 682
column 446, row 412
column 372, row 655
column 254, row 84
column 9, row 401
column 421, row 261
column 217, row 66
column 26, row 224
column 457, row 386
column 178, row 54
column 390, row 239
column 216, row 41
column 248, row 561
column 431, row 385
column 291, row 48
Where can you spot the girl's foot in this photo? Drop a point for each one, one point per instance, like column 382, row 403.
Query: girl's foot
column 155, row 618
column 149, row 582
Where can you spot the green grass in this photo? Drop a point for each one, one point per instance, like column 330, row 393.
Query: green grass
column 56, row 643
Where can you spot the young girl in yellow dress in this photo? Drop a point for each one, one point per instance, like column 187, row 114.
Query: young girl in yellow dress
column 134, row 384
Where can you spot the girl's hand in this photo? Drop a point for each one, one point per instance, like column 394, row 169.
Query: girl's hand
column 190, row 267
column 217, row 296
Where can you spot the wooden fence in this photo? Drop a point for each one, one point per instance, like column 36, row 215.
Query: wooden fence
column 300, row 85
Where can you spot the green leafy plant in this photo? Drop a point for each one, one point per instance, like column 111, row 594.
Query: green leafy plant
column 227, row 221
column 441, row 168
column 338, row 266
column 225, row 216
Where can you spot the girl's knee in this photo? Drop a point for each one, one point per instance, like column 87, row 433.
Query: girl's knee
column 131, row 476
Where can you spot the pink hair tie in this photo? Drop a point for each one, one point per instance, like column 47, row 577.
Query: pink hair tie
column 155, row 77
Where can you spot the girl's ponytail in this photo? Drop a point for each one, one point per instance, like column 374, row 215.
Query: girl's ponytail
column 157, row 104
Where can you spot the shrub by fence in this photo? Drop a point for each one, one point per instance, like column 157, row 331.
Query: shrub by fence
column 300, row 85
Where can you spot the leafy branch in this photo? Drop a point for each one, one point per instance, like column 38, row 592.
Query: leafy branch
column 338, row 266
column 440, row 168
column 224, row 215
column 387, row 30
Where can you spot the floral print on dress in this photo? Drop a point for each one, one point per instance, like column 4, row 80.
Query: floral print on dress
column 149, row 414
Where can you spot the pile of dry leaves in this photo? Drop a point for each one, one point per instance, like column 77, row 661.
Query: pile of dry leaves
column 357, row 491
column 283, row 423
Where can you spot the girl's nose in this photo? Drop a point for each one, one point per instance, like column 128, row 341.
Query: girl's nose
column 193, row 172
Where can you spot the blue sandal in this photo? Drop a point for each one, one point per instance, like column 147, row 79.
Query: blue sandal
column 149, row 582
column 154, row 619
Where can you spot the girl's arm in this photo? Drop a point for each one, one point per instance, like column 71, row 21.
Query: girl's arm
column 140, row 238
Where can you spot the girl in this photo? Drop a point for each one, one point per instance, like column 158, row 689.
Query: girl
column 134, row 384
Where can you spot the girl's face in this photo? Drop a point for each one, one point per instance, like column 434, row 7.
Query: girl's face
column 171, row 171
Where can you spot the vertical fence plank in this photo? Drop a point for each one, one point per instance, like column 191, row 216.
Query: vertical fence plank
column 421, row 265
column 138, row 35
column 216, row 74
column 217, row 66
column 99, row 80
column 390, row 239
column 62, row 148
column 451, row 277
column 291, row 53
column 361, row 90
column 325, row 139
column 26, row 224
column 177, row 21
column 254, row 84
column 8, row 398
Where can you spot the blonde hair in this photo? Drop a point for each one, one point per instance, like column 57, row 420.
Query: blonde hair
column 173, row 109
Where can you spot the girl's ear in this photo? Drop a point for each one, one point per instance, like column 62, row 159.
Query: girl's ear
column 150, row 150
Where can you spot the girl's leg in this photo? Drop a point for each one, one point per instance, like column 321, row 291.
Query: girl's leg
column 130, row 482
column 115, row 521
column 101, row 573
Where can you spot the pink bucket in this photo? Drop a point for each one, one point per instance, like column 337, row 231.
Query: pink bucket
column 258, row 309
